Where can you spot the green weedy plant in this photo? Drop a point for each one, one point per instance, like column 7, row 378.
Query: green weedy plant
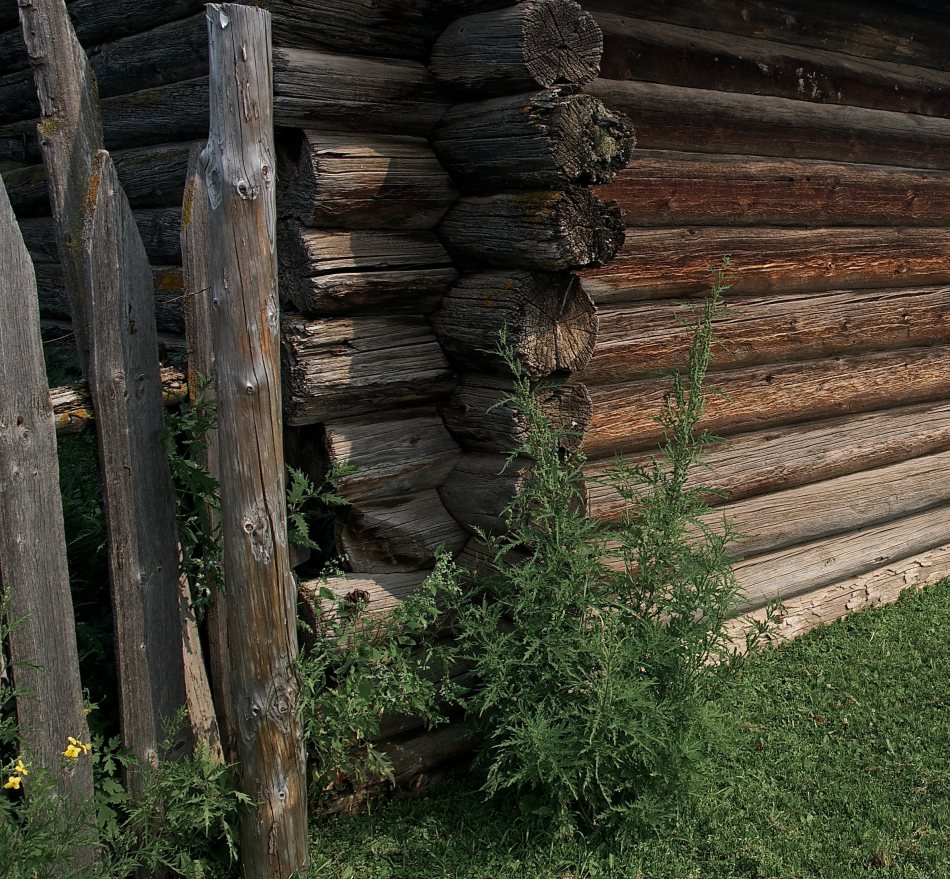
column 596, row 648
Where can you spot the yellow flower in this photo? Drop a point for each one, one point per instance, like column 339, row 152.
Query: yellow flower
column 75, row 748
column 86, row 747
column 13, row 782
column 72, row 752
column 20, row 769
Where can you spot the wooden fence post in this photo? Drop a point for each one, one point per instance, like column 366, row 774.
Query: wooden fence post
column 33, row 540
column 262, row 630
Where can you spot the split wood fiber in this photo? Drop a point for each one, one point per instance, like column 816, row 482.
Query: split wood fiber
column 261, row 607
column 35, row 588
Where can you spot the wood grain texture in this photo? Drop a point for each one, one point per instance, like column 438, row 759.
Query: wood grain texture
column 354, row 181
column 636, row 340
column 782, row 458
column 762, row 396
column 670, row 117
column 533, row 44
column 660, row 263
column 546, row 230
column 344, row 93
column 36, row 590
column 335, row 368
column 333, row 272
column 480, row 489
column 262, row 596
column 540, row 140
column 661, row 188
column 650, row 51
column 547, row 319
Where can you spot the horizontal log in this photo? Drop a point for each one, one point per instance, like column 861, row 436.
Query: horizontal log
column 643, row 338
column 159, row 228
column 399, row 534
column 760, row 396
column 782, row 458
column 658, row 263
column 333, row 272
column 534, row 44
column 675, row 118
column 548, row 321
column 167, row 54
column 541, row 140
column 380, row 594
column 787, row 573
column 651, row 51
column 72, row 404
column 826, row 604
column 480, row 488
column 335, row 368
column 392, row 458
column 546, row 230
column 478, row 417
column 866, row 28
column 169, row 290
column 151, row 176
column 661, row 188
column 366, row 182
column 339, row 92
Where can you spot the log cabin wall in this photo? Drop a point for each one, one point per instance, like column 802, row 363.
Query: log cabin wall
column 809, row 142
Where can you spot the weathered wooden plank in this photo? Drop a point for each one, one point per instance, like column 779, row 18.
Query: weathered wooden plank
column 659, row 263
column 529, row 45
column 548, row 230
column 335, row 368
column 636, row 340
column 548, row 321
column 151, row 176
column 479, row 418
column 125, row 385
column 398, row 534
column 481, row 487
column 782, row 458
column 671, row 117
column 35, row 587
column 261, row 606
column 661, row 188
column 329, row 272
column 541, row 140
column 357, row 181
column 788, row 573
column 406, row 455
column 865, row 28
column 653, row 52
column 343, row 93
column 760, row 396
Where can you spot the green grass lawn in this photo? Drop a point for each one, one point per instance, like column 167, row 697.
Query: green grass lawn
column 838, row 766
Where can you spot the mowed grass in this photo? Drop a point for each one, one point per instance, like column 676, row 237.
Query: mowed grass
column 835, row 762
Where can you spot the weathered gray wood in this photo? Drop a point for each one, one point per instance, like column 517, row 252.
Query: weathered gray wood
column 35, row 585
column 661, row 188
column 648, row 337
column 335, row 368
column 703, row 120
column 261, row 607
column 406, row 455
column 535, row 43
column 344, row 93
column 353, row 181
column 137, row 489
column 660, row 263
column 548, row 320
column 481, row 487
column 759, row 396
column 478, row 419
column 399, row 534
column 653, row 52
column 545, row 230
column 541, row 140
column 329, row 272
column 783, row 458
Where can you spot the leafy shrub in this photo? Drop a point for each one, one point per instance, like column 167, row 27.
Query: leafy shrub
column 594, row 648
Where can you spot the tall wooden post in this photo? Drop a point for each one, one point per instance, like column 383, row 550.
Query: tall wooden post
column 262, row 630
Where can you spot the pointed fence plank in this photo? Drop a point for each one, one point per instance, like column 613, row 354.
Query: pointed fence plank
column 32, row 539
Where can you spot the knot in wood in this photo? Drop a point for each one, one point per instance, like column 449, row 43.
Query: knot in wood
column 256, row 525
